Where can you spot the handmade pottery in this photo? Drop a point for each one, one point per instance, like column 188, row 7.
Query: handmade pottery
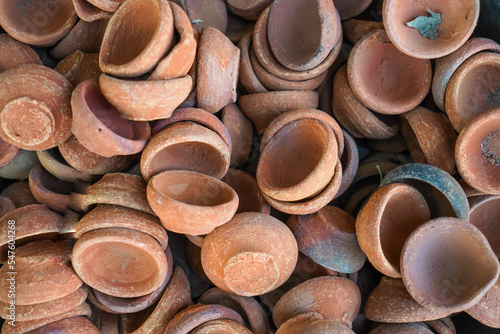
column 484, row 214
column 487, row 310
column 241, row 132
column 350, row 163
column 19, row 193
column 441, row 276
column 76, row 325
column 88, row 12
column 205, row 13
column 442, row 326
column 6, row 205
column 456, row 24
column 7, row 152
column 19, row 167
column 248, row 81
column 107, row 5
column 221, row 326
column 410, row 328
column 348, row 9
column 313, row 322
column 55, row 164
column 477, row 152
column 249, row 10
column 242, row 264
column 79, row 66
column 355, row 29
column 49, row 190
column 249, row 193
column 14, row 53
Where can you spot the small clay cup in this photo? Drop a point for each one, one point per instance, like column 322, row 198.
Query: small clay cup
column 313, row 322
column 55, row 164
column 241, row 132
column 350, row 163
column 249, row 193
column 49, row 190
column 79, row 66
column 237, row 259
column 458, row 21
column 385, row 79
column 75, row 325
column 354, row 29
column 249, row 10
column 487, row 310
column 14, row 53
column 190, row 202
column 477, row 152
column 484, row 213
column 441, row 276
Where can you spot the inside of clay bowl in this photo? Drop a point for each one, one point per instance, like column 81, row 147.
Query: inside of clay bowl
column 447, row 263
column 51, row 183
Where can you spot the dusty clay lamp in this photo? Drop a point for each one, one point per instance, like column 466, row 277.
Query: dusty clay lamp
column 37, row 23
column 206, row 13
column 49, row 190
column 19, row 193
column 190, row 202
column 76, row 325
column 241, row 132
column 55, row 164
column 484, row 213
column 247, row 79
column 409, row 328
column 385, row 222
column 217, row 70
column 243, row 264
column 430, row 138
column 454, row 27
column 221, row 326
column 14, row 53
column 98, row 126
column 35, row 111
column 477, row 152
column 441, row 276
column 487, row 310
column 313, row 322
column 350, row 163
column 79, row 66
column 249, row 10
column 335, row 298
column 249, row 193
column 328, row 238
column 291, row 23
column 120, row 262
column 149, row 23
column 88, row 12
column 385, row 79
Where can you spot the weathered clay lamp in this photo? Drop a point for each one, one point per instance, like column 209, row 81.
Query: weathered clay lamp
column 348, row 9
column 241, row 132
column 76, row 325
column 443, row 27
column 477, row 152
column 221, row 326
column 473, row 88
column 190, row 202
column 328, row 238
column 88, row 12
column 247, row 79
column 249, row 10
column 37, row 23
column 313, row 322
column 19, row 167
column 350, row 163
column 249, row 193
column 236, row 257
column 49, row 190
column 441, row 276
column 55, row 164
column 487, row 310
column 79, row 66
column 206, row 13
column 35, row 111
column 385, row 222
column 19, row 193
column 385, row 79
column 409, row 328
column 335, row 298
column 14, row 53
column 354, row 29
column 484, row 213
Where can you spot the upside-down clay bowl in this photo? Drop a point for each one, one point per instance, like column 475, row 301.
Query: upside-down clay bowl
column 477, row 152
column 120, row 262
column 237, row 258
column 440, row 275
column 190, row 202
column 385, row 79
column 458, row 20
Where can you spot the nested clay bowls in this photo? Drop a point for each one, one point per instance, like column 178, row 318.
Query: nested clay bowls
column 190, row 202
column 385, row 79
column 440, row 275
column 49, row 190
column 236, row 256
column 456, row 24
column 88, row 12
column 76, row 325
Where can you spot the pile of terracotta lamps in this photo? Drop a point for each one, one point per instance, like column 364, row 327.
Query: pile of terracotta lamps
column 248, row 166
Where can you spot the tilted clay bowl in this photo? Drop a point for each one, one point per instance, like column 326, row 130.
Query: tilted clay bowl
column 313, row 322
column 484, row 214
column 79, row 66
column 409, row 328
column 237, row 259
column 477, row 152
column 249, row 193
column 19, row 193
column 247, row 79
column 350, row 163
column 385, row 222
column 241, row 132
column 75, row 325
column 487, row 310
column 14, row 53
column 20, row 166
column 221, row 326
column 120, row 262
column 458, row 21
column 440, row 275
column 249, row 10
column 149, row 24
column 49, row 190
column 206, row 13
column 55, row 164
column 35, row 110
column 385, row 79
column 190, row 202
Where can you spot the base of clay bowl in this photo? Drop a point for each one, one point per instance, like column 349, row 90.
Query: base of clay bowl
column 120, row 262
column 441, row 276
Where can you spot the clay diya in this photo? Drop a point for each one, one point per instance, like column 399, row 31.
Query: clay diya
column 249, row 193
column 14, row 53
column 150, row 24
column 221, row 326
column 241, row 132
column 88, row 12
column 390, row 302
column 328, row 238
column 20, row 166
column 409, row 328
column 446, row 66
column 385, row 222
column 348, row 9
column 448, row 26
column 487, row 310
column 430, row 138
column 38, row 116
column 263, row 108
column 477, row 152
column 7, row 152
column 313, row 322
column 190, row 202
column 6, row 205
column 443, row 194
column 79, row 66
column 76, row 325
column 54, row 163
column 335, row 298
column 441, row 276
column 217, row 70
column 106, row 5
column 120, row 262
column 98, row 126
column 442, row 326
column 355, row 29
column 473, row 88
column 37, row 23
column 395, row 144
column 236, row 257
column 249, row 10
column 291, row 23
column 186, row 146
column 248, row 81
column 19, row 193
column 484, row 213
column 359, row 120
column 49, row 190
column 350, row 163
column 385, row 79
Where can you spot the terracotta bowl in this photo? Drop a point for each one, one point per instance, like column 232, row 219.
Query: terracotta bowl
column 49, row 190
column 249, row 193
column 120, row 262
column 478, row 78
column 484, row 213
column 206, row 13
column 247, row 78
column 190, row 202
column 88, row 12
column 354, row 29
column 221, row 326
column 241, row 132
column 477, row 152
column 410, row 328
column 107, row 5
column 441, row 276
column 385, row 222
column 149, row 23
column 20, row 166
column 243, row 264
column 79, row 66
column 348, row 9
column 350, row 163
column 385, row 79
column 313, row 323
column 19, row 193
column 249, row 10
column 37, row 23
column 55, row 164
column 487, row 310
column 14, row 53
column 458, row 21
column 76, row 325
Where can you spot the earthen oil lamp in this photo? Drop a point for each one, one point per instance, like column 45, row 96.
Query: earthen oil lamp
column 249, row 193
column 88, row 12
column 19, row 167
column 19, row 193
column 313, row 322
column 79, row 66
column 247, row 78
column 241, row 132
column 249, row 10
column 221, row 326
column 350, row 163
column 14, row 53
column 487, row 310
column 484, row 213
column 76, row 325
column 55, row 164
